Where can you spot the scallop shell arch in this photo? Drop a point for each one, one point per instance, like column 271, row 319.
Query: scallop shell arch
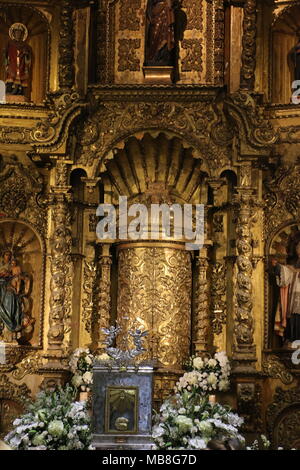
column 153, row 158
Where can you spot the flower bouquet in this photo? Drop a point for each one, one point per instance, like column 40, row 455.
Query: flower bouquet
column 81, row 364
column 52, row 422
column 190, row 421
column 206, row 375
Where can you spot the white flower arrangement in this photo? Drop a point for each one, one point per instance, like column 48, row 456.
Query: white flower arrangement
column 207, row 375
column 190, row 421
column 81, row 364
column 53, row 422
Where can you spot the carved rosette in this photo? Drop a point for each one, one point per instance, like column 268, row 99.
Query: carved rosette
column 244, row 349
column 202, row 320
column 66, row 46
column 104, row 305
column 249, row 45
column 61, row 270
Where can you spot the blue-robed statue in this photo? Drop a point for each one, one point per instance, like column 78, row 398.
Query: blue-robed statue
column 10, row 302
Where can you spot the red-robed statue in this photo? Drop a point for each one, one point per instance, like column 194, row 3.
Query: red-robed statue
column 160, row 38
column 18, row 60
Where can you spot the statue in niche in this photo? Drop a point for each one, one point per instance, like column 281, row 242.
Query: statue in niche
column 15, row 321
column 287, row 317
column 160, row 33
column 18, row 61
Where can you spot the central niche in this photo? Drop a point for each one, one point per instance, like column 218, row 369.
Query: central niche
column 154, row 277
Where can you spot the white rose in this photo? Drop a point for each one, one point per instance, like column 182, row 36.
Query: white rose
column 212, row 363
column 198, row 363
column 88, row 377
column 223, row 359
column 212, row 379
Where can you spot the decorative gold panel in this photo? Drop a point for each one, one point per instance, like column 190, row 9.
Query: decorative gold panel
column 154, row 292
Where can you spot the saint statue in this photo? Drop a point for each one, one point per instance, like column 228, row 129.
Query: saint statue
column 10, row 303
column 18, row 60
column 160, row 36
column 287, row 319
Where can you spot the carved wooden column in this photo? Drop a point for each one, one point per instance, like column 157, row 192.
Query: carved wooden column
column 66, row 46
column 249, row 45
column 104, row 305
column 61, row 261
column 219, row 43
column 244, row 353
column 202, row 319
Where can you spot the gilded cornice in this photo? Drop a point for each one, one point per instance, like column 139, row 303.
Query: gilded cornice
column 153, row 93
column 46, row 129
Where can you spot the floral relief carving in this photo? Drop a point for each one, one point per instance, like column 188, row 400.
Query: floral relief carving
column 192, row 61
column 128, row 57
column 155, row 293
column 129, row 19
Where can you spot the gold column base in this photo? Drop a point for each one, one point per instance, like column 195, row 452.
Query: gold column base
column 158, row 74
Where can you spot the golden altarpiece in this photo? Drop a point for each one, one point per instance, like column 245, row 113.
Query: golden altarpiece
column 218, row 127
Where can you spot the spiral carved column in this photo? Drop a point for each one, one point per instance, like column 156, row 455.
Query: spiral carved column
column 244, row 352
column 61, row 262
column 202, row 322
